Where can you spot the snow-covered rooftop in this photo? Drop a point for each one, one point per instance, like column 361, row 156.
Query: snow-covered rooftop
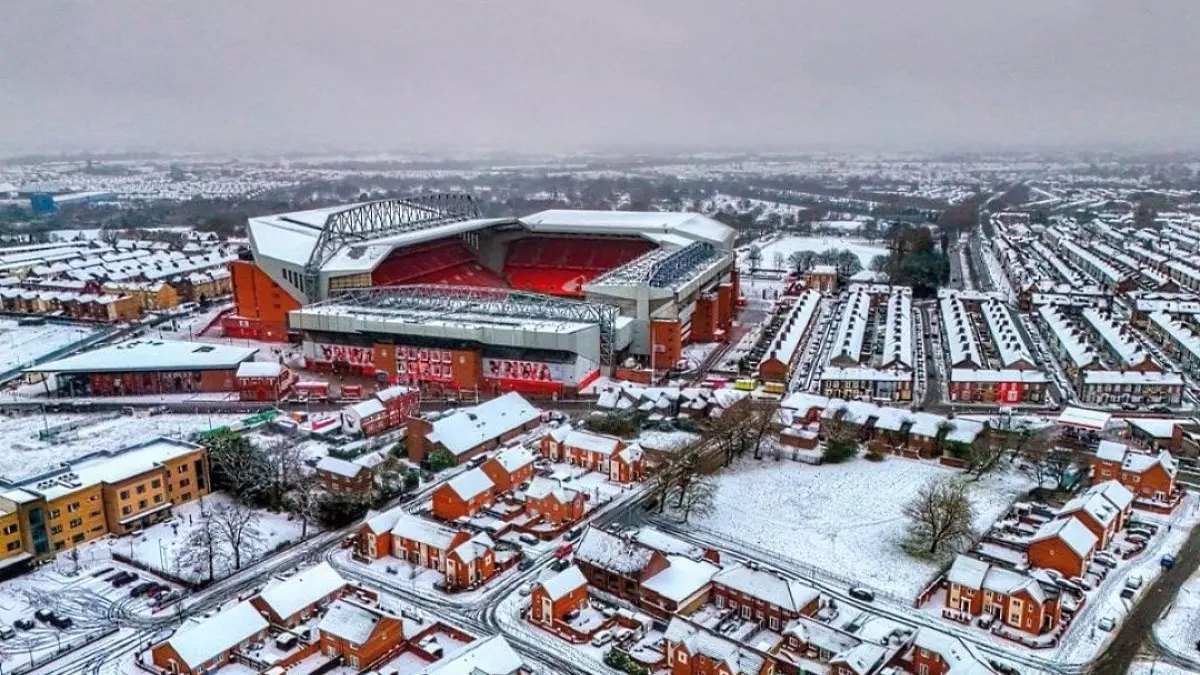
column 211, row 637
column 468, row 428
column 151, row 355
column 559, row 585
column 303, row 590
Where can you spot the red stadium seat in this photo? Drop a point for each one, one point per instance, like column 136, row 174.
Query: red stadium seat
column 561, row 265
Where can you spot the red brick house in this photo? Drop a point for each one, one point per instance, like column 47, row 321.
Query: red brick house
column 465, row 560
column 582, row 448
column 345, row 478
column 359, row 633
column 976, row 588
column 469, row 432
column 617, row 565
column 767, row 597
column 628, row 465
column 1148, row 476
column 936, row 653
column 263, row 381
column 554, row 502
column 558, row 596
column 693, row 650
column 288, row 603
column 1103, row 508
column 1065, row 545
column 387, row 409
column 375, row 533
column 464, row 495
column 206, row 645
column 510, row 468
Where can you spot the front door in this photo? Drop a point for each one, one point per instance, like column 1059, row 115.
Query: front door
column 614, row 471
column 547, row 611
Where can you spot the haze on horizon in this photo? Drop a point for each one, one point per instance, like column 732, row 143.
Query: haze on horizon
column 291, row 76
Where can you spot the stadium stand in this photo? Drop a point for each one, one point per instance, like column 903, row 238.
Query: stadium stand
column 561, row 265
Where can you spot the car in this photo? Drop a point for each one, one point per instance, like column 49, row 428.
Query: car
column 476, row 461
column 1106, row 624
column 526, row 589
column 157, row 410
column 7, row 632
column 573, row 533
column 1137, row 539
column 529, row 539
column 62, row 622
column 525, row 563
column 564, row 551
column 140, row 589
column 560, row 564
column 24, row 624
column 348, row 541
column 602, row 638
column 1105, row 559
column 1128, row 593
column 431, row 646
column 863, row 594
column 44, row 615
column 101, row 572
column 1167, row 561
column 1134, row 581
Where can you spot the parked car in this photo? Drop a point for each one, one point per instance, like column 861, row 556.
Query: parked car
column 1134, row 581
column 476, row 461
column 1104, row 559
column 140, row 589
column 529, row 539
column 1167, row 561
column 525, row 563
column 44, row 615
column 24, row 624
column 560, row 564
column 62, row 622
column 7, row 632
column 1128, row 593
column 602, row 638
column 573, row 533
column 564, row 551
column 863, row 594
column 1106, row 624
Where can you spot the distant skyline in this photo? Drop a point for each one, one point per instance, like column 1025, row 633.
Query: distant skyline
column 558, row 77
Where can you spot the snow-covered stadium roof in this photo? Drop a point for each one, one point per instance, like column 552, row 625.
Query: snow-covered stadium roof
column 692, row 226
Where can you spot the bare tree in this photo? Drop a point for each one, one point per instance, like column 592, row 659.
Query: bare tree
column 940, row 518
column 984, row 453
column 726, row 433
column 699, row 497
column 304, row 501
column 760, row 422
column 754, row 256
column 203, row 549
column 778, row 260
column 237, row 527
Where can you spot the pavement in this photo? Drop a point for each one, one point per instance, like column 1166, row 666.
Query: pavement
column 1138, row 623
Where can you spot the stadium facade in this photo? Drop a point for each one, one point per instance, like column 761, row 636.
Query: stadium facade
column 427, row 292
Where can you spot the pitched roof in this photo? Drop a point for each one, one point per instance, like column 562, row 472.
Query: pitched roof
column 470, row 484
column 383, row 521
column 514, row 458
column 1072, row 533
column 350, row 621
column 563, row 583
column 210, row 637
column 592, row 442
column 470, row 427
column 306, row 588
column 339, row 467
column 612, row 553
column 770, row 587
column 967, row 571
column 489, row 656
column 423, row 531
column 697, row 640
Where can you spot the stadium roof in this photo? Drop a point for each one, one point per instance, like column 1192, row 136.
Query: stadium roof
column 693, row 226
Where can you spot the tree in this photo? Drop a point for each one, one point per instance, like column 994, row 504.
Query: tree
column 699, row 497
column 238, row 528
column 778, row 260
column 439, row 460
column 754, row 256
column 283, row 468
column 237, row 466
column 412, row 478
column 763, row 414
column 340, row 510
column 199, row 557
column 838, row 451
column 940, row 518
column 726, row 433
column 984, row 453
column 304, row 500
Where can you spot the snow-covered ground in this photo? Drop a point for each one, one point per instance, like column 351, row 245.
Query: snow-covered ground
column 20, row 345
column 1179, row 629
column 844, row 520
column 788, row 245
column 162, row 546
column 25, row 454
column 696, row 353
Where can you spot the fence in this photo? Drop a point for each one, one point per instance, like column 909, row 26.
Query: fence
column 64, row 649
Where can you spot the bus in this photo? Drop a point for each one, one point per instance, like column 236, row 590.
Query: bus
column 748, row 384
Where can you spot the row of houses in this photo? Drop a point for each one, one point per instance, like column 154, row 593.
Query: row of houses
column 317, row 621
column 731, row 619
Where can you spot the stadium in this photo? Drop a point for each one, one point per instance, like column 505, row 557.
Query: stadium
column 425, row 291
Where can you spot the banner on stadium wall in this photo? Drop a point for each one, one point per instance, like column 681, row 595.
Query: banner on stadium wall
column 415, row 364
column 524, row 371
column 359, row 356
column 1009, row 392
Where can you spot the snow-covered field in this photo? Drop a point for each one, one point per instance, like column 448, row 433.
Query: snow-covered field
column 162, row 546
column 842, row 519
column 790, row 244
column 25, row 454
column 20, row 345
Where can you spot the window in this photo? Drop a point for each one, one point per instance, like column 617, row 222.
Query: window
column 72, row 507
column 185, row 496
column 182, row 468
column 95, row 514
column 774, row 623
column 185, row 482
column 9, row 529
column 53, row 513
column 77, row 538
column 124, row 494
column 157, row 498
column 57, row 529
column 77, row 522
column 141, row 488
column 156, row 483
column 680, row 656
column 141, row 504
column 125, row 510
column 14, row 545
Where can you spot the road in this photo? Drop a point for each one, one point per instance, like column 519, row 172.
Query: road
column 1154, row 601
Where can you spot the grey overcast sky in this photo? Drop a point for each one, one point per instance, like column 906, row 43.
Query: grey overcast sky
column 560, row 75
